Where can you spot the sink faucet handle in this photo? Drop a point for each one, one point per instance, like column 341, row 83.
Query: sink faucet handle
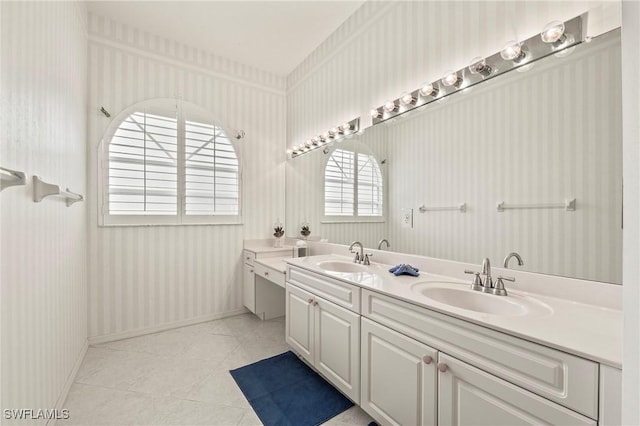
column 357, row 258
column 499, row 289
column 366, row 259
column 477, row 281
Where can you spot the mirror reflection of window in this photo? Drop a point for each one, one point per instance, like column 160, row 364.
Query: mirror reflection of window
column 353, row 185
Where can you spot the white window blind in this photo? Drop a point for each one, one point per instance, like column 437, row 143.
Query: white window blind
column 352, row 185
column 211, row 171
column 143, row 165
column 176, row 169
column 339, row 183
column 369, row 186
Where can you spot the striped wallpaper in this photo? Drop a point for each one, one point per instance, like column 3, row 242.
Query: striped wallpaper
column 146, row 277
column 373, row 57
column 43, row 320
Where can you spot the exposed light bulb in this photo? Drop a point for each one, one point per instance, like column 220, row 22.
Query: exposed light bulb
column 289, row 151
column 346, row 127
column 512, row 51
column 479, row 66
column 390, row 106
column 428, row 89
column 451, row 78
column 375, row 113
column 307, row 144
column 337, row 130
column 553, row 32
column 407, row 99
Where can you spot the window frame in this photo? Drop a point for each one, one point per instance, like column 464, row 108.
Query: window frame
column 356, row 148
column 185, row 111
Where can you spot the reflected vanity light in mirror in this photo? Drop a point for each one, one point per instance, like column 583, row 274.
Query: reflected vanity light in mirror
column 336, row 134
column 556, row 38
column 479, row 66
column 390, row 106
column 428, row 89
column 512, row 51
column 553, row 33
column 451, row 78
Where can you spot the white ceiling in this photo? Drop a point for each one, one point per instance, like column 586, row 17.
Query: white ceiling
column 270, row 35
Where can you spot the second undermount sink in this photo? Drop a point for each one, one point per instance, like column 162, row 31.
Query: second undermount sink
column 468, row 299
column 342, row 266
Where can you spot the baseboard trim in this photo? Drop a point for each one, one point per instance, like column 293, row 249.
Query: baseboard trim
column 96, row 340
column 70, row 379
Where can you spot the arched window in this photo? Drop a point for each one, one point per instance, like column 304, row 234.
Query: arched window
column 168, row 163
column 353, row 185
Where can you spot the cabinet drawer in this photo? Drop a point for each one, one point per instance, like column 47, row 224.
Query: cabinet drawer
column 342, row 294
column 469, row 396
column 566, row 379
column 248, row 257
column 270, row 274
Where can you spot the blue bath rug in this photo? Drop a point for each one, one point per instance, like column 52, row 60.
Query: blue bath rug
column 284, row 391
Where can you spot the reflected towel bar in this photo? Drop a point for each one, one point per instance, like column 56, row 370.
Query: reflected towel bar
column 568, row 205
column 42, row 189
column 460, row 207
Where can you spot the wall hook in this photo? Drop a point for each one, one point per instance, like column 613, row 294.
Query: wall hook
column 105, row 112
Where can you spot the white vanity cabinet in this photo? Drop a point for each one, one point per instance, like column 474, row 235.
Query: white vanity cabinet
column 484, row 377
column 324, row 333
column 263, row 286
column 399, row 377
column 470, row 396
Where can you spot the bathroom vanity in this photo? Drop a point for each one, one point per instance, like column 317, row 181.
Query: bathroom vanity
column 264, row 278
column 429, row 350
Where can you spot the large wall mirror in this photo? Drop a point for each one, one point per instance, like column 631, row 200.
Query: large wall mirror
column 527, row 139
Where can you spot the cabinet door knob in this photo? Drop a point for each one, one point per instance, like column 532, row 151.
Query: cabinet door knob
column 251, row 271
column 442, row 367
column 266, row 274
column 427, row 359
column 248, row 258
column 309, row 300
column 315, row 303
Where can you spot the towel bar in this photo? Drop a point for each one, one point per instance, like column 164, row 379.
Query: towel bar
column 42, row 189
column 11, row 178
column 568, row 205
column 460, row 207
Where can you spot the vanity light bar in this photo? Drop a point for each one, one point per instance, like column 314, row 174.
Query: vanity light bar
column 556, row 37
column 336, row 134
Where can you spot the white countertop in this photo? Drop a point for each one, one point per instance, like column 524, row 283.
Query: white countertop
column 585, row 330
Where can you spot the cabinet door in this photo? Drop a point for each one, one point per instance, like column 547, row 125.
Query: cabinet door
column 337, row 346
column 469, row 396
column 249, row 288
column 299, row 321
column 398, row 377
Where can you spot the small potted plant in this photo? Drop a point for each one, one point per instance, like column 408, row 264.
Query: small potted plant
column 278, row 233
column 305, row 231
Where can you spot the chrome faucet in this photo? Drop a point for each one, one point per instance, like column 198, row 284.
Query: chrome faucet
column 508, row 258
column 359, row 256
column 486, row 271
column 383, row 241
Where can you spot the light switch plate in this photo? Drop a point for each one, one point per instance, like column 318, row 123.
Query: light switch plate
column 406, row 218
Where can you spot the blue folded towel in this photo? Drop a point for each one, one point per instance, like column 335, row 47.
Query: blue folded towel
column 404, row 269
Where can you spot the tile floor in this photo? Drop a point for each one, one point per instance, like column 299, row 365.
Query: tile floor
column 178, row 377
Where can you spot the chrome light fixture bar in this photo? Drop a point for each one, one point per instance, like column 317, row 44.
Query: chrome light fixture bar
column 336, row 134
column 555, row 37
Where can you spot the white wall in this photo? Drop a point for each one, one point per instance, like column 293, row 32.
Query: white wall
column 631, row 278
column 146, row 277
column 387, row 48
column 43, row 306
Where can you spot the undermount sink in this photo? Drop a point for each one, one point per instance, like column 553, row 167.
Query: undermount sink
column 342, row 266
column 465, row 298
